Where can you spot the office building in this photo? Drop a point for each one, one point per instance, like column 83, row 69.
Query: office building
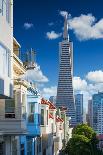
column 97, row 101
column 79, row 108
column 89, row 121
column 65, row 87
column 52, row 99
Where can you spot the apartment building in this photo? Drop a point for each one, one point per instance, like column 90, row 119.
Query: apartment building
column 31, row 143
column 6, row 75
column 6, row 48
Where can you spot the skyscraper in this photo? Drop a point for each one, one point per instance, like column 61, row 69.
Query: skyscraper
column 79, row 108
column 90, row 113
column 65, row 88
column 52, row 99
column 97, row 101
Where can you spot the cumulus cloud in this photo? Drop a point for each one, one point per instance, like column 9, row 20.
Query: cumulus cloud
column 63, row 13
column 28, row 25
column 91, row 84
column 95, row 76
column 35, row 75
column 79, row 84
column 49, row 91
column 53, row 35
column 86, row 27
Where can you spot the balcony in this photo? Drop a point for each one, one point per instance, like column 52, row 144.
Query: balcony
column 12, row 127
column 11, row 120
column 33, row 125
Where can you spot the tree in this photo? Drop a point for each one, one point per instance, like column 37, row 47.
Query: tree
column 83, row 141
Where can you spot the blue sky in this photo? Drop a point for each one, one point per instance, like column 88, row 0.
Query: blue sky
column 32, row 21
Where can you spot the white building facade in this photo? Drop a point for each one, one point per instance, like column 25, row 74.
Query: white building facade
column 6, row 48
column 6, row 77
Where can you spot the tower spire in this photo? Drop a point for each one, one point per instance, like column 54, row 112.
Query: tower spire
column 65, row 33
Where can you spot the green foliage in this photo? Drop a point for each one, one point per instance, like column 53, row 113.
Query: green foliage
column 84, row 129
column 83, row 141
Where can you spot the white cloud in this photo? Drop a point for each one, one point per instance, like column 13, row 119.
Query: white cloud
column 35, row 75
column 51, row 24
column 28, row 25
column 86, row 27
column 63, row 13
column 95, row 76
column 53, row 35
column 49, row 91
column 79, row 84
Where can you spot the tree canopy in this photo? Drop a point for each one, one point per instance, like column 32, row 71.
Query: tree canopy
column 83, row 141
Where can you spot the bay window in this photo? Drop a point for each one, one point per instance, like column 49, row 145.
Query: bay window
column 42, row 116
column 5, row 61
column 9, row 108
column 31, row 112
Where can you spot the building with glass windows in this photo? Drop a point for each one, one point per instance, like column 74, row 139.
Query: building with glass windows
column 79, row 108
column 65, row 88
column 52, row 99
column 97, row 117
column 90, row 113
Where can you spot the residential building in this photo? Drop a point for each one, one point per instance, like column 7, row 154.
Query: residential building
column 52, row 129
column 66, row 125
column 20, row 94
column 90, row 113
column 59, row 135
column 65, row 95
column 12, row 124
column 79, row 108
column 46, row 129
column 6, row 49
column 31, row 143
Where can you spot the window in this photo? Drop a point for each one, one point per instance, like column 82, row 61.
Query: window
column 5, row 9
column 9, row 108
column 23, row 106
column 22, row 149
column 42, row 116
column 47, row 117
column 31, row 112
column 14, row 147
column 5, row 68
column 2, row 148
column 29, row 147
column 31, row 107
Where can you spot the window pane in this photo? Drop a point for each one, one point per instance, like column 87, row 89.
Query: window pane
column 8, row 11
column 42, row 116
column 31, row 118
column 31, row 107
column 9, row 63
column 4, row 62
column 4, row 8
column 9, row 108
column 47, row 117
column 0, row 7
column 1, row 60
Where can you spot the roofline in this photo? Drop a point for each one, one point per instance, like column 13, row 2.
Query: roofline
column 16, row 42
